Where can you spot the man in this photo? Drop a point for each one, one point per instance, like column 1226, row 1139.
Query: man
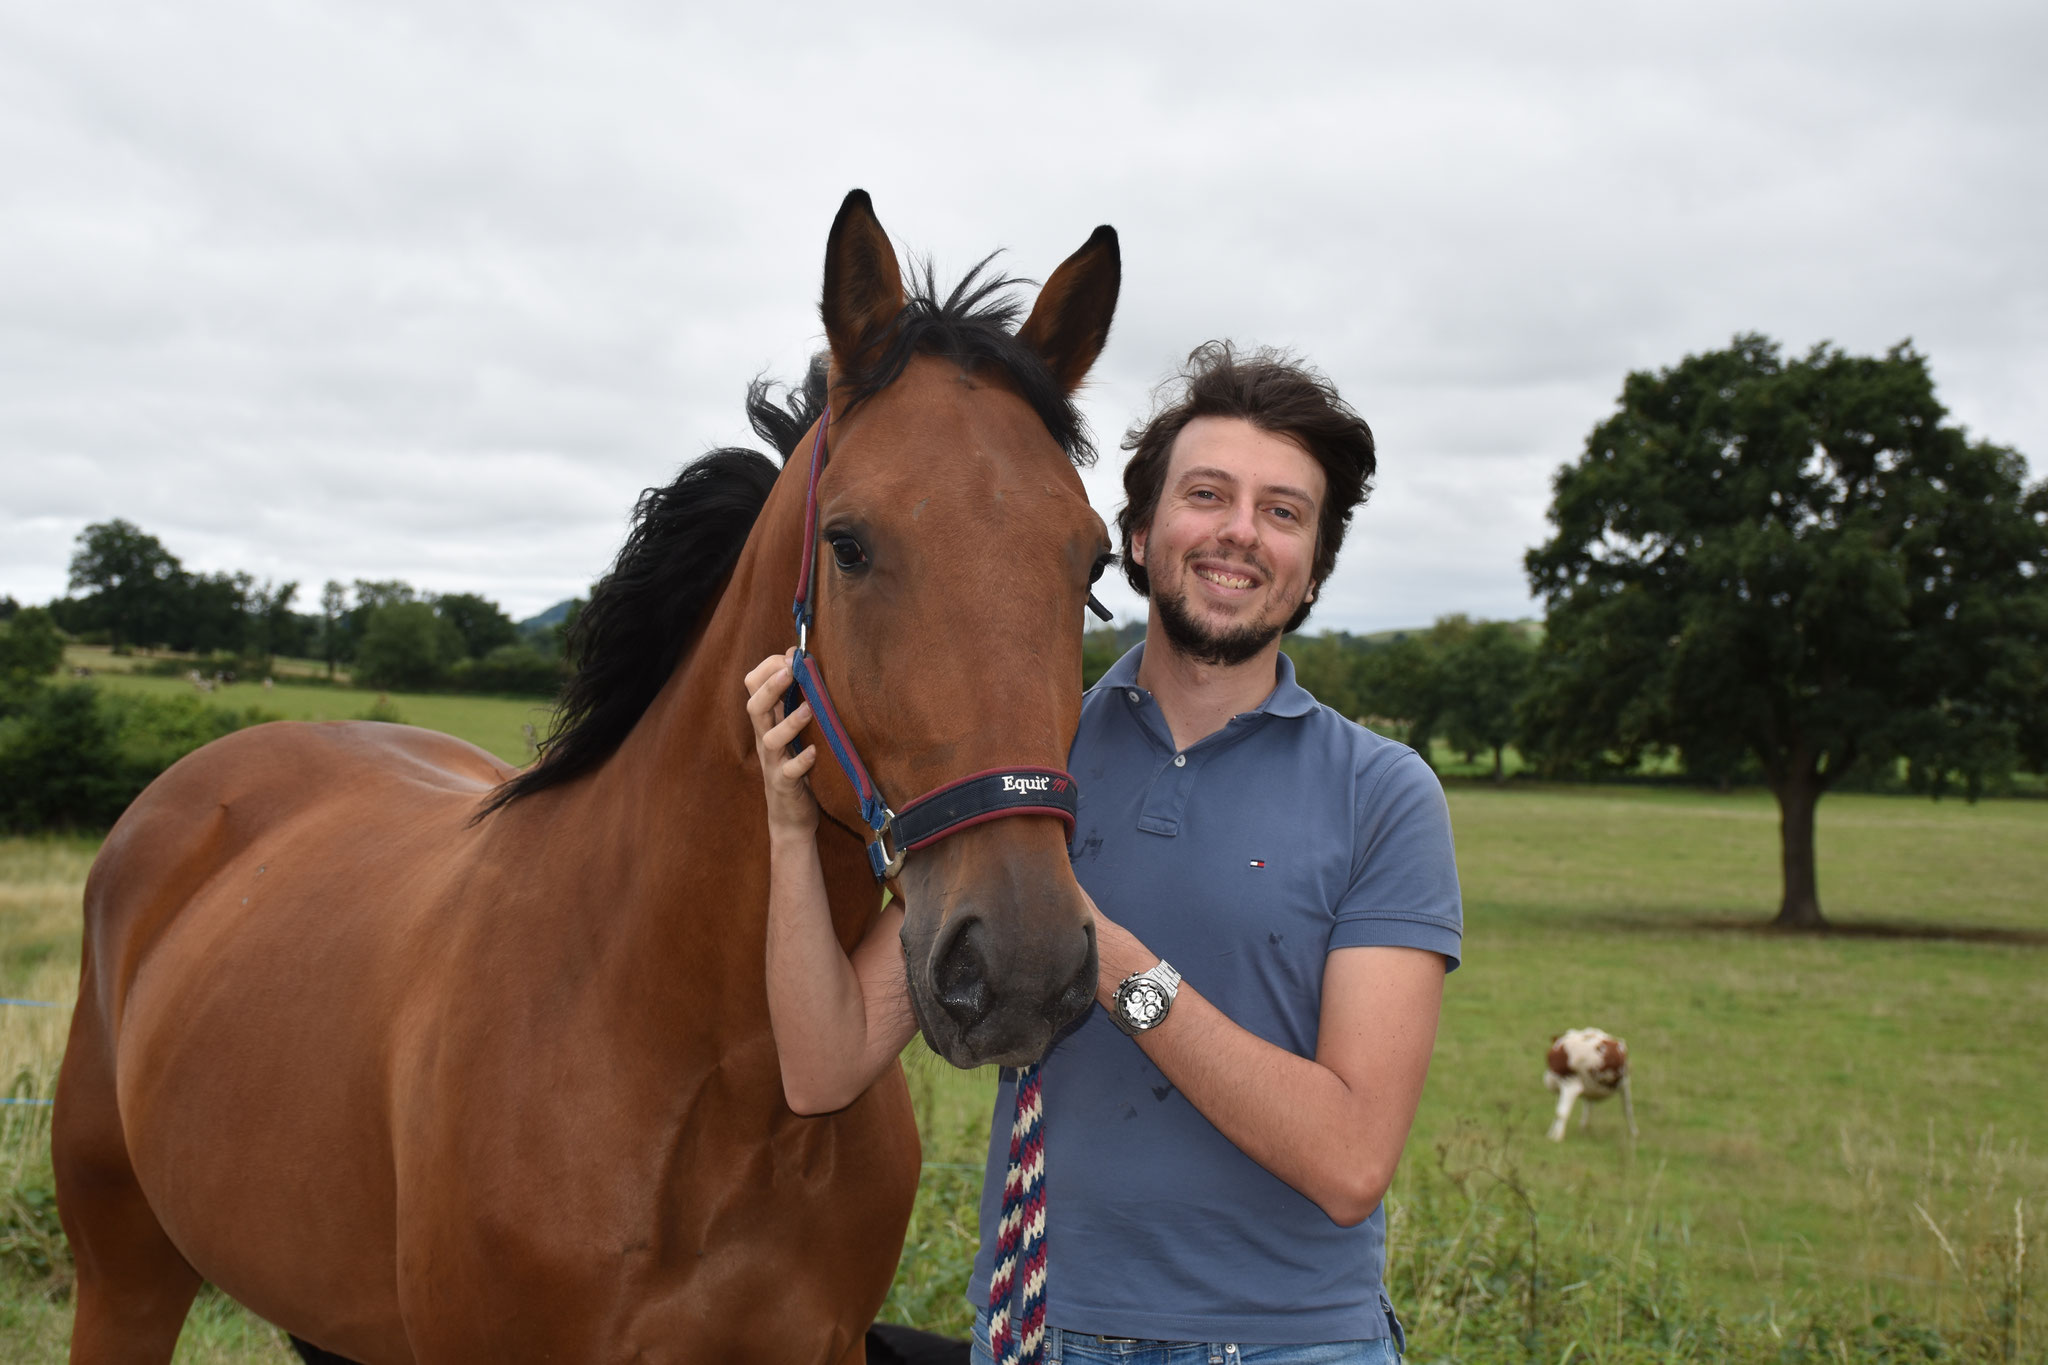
column 1277, row 906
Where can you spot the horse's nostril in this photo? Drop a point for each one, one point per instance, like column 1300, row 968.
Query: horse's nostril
column 961, row 975
column 1079, row 993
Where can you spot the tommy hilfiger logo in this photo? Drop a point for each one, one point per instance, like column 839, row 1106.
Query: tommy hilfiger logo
column 1258, row 862
column 1034, row 784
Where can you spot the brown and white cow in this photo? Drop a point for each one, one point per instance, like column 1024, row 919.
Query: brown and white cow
column 1588, row 1062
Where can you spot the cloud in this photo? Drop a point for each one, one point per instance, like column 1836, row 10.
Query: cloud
column 431, row 291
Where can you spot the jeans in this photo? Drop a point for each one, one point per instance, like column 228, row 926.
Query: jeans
column 1081, row 1348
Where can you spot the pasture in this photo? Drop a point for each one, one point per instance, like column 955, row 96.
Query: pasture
column 493, row 723
column 1841, row 1135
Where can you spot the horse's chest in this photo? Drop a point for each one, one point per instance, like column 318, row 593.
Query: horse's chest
column 664, row 1227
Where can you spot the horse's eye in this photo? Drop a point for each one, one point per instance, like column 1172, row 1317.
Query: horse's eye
column 846, row 551
column 1102, row 563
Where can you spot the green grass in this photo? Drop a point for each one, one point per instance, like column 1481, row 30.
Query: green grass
column 1798, row 1096
column 1812, row 1107
column 493, row 723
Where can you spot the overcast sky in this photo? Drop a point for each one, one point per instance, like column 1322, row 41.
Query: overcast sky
column 432, row 290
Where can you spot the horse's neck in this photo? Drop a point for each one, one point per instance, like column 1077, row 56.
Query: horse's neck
column 685, row 786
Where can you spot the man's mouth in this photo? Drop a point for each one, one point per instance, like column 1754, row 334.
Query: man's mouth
column 1224, row 579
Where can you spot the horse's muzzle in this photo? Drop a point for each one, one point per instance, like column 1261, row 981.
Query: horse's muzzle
column 997, row 965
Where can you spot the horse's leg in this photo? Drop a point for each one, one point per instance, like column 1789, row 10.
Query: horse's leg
column 133, row 1286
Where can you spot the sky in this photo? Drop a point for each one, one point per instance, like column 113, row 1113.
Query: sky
column 431, row 290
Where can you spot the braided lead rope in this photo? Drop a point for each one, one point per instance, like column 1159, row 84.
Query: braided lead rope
column 1021, row 1229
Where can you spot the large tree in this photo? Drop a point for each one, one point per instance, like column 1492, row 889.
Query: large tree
column 133, row 582
column 1485, row 671
column 481, row 623
column 1800, row 559
column 405, row 645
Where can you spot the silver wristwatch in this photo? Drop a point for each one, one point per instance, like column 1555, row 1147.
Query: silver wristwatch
column 1143, row 998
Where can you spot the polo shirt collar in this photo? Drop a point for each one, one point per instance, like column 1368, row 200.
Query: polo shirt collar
column 1288, row 697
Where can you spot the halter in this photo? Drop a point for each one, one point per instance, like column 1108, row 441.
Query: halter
column 966, row 801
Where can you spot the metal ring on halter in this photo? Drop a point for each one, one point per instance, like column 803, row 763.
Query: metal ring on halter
column 891, row 862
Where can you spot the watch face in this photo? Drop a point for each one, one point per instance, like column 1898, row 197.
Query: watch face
column 1143, row 1003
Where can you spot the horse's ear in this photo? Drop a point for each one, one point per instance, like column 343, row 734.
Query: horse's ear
column 1069, row 324
column 863, row 287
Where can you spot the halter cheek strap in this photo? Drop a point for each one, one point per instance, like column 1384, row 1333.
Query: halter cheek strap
column 957, row 805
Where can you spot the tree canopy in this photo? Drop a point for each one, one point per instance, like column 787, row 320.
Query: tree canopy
column 1800, row 561
column 132, row 580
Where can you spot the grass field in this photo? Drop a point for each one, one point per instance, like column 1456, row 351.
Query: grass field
column 1838, row 1132
column 494, row 723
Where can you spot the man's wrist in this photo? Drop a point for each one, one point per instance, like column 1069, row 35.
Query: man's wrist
column 792, row 840
column 1119, row 955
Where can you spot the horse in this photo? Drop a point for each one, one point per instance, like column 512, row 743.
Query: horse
column 426, row 1059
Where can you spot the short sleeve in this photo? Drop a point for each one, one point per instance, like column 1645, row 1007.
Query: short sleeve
column 1404, row 879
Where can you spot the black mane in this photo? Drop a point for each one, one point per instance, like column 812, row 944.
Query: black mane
column 686, row 537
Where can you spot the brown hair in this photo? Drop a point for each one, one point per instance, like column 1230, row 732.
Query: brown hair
column 1276, row 393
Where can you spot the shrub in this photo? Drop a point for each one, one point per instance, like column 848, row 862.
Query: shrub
column 519, row 669
column 74, row 757
column 30, row 650
column 235, row 668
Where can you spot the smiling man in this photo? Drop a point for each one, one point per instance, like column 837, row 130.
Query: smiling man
column 1276, row 908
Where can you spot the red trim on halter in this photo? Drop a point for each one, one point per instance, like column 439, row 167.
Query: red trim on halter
column 982, row 819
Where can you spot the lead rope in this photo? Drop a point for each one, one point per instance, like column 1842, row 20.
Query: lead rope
column 1021, row 1229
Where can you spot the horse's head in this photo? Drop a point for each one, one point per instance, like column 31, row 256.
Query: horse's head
column 954, row 555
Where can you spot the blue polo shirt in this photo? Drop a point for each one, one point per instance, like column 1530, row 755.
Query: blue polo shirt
column 1243, row 861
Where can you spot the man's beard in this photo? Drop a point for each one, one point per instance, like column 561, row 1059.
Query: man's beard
column 1215, row 649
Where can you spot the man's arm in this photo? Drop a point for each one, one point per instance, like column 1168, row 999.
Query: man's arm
column 1332, row 1126
column 838, row 1020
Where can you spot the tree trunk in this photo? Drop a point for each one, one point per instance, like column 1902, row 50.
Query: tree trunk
column 1798, row 795
column 1499, row 772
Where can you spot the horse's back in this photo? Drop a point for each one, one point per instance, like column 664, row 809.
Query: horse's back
column 322, row 790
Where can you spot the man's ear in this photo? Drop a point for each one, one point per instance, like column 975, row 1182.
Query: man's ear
column 1311, row 592
column 863, row 287
column 1138, row 548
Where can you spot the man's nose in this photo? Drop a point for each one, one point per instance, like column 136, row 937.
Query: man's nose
column 1241, row 527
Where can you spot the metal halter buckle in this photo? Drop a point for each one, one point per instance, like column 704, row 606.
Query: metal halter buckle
column 890, row 863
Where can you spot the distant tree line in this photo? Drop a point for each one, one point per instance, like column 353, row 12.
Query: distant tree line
column 130, row 592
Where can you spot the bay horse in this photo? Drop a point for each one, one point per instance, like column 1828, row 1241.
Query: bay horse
column 424, row 1059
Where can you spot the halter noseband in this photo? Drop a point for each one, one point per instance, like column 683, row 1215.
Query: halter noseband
column 957, row 805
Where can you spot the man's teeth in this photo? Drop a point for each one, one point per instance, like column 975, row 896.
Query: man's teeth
column 1228, row 580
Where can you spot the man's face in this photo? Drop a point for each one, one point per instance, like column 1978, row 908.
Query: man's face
column 1232, row 541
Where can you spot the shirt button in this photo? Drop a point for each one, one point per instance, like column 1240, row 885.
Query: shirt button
column 1135, row 698
column 1180, row 760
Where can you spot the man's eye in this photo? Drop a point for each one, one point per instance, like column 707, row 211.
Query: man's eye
column 846, row 551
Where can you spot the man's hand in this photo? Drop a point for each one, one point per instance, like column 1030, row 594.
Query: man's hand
column 792, row 811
